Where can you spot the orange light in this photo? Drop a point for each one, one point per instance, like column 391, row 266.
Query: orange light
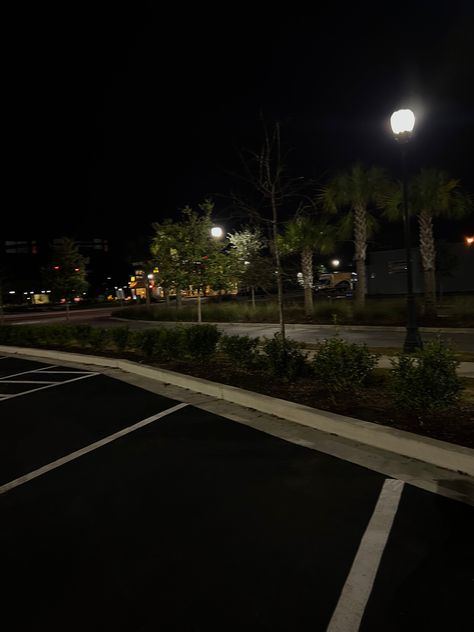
column 469, row 241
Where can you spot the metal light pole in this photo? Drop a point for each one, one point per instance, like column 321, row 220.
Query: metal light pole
column 403, row 122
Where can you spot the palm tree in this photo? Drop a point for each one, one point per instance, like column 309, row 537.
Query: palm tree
column 307, row 235
column 433, row 194
column 354, row 192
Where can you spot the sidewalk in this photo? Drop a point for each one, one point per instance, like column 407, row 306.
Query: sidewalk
column 374, row 336
column 465, row 369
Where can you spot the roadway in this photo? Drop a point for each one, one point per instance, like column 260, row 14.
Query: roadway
column 127, row 510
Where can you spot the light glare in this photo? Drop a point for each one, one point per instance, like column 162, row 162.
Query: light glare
column 216, row 231
column 402, row 121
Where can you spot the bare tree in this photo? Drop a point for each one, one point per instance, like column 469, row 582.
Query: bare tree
column 270, row 189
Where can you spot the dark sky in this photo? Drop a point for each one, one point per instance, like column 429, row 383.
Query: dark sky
column 118, row 114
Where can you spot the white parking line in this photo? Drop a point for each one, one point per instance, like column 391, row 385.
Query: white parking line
column 356, row 591
column 7, row 377
column 90, row 448
column 63, row 372
column 50, row 385
column 27, row 382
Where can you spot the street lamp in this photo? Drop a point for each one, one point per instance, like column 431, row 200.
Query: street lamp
column 216, row 231
column 402, row 123
column 335, row 263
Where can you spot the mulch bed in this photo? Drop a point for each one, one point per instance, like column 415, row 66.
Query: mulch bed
column 373, row 403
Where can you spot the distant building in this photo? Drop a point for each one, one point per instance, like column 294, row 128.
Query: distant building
column 386, row 270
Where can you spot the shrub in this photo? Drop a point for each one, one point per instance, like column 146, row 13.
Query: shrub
column 120, row 337
column 81, row 334
column 284, row 358
column 241, row 350
column 427, row 381
column 98, row 338
column 201, row 341
column 146, row 341
column 171, row 343
column 343, row 366
column 6, row 334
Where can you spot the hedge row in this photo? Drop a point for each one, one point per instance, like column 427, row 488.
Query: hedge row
column 424, row 382
column 195, row 342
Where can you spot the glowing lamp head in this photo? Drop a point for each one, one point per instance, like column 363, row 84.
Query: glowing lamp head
column 335, row 263
column 402, row 123
column 469, row 241
column 216, row 231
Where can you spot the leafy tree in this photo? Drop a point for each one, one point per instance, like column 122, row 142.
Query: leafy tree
column 306, row 235
column 353, row 193
column 66, row 273
column 165, row 251
column 251, row 268
column 432, row 194
column 188, row 255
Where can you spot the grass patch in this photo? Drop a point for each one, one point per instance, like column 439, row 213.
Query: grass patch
column 459, row 311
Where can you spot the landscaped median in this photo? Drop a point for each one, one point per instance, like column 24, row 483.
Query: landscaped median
column 440, row 453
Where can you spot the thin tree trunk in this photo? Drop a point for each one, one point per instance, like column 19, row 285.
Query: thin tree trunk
column 278, row 266
column 252, row 290
column 199, row 311
column 147, row 294
column 166, row 294
column 360, row 242
column 307, row 270
column 179, row 298
column 428, row 260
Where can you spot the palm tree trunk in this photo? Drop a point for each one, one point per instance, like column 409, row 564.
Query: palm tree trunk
column 360, row 241
column 428, row 260
column 307, row 270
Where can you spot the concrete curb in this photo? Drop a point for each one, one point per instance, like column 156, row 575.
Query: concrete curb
column 439, row 453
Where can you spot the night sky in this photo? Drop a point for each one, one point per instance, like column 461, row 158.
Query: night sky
column 118, row 114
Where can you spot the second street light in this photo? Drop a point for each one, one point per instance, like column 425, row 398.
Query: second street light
column 402, row 123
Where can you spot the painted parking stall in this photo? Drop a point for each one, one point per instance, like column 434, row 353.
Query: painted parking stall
column 179, row 519
column 38, row 428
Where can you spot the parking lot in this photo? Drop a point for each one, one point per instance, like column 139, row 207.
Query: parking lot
column 125, row 510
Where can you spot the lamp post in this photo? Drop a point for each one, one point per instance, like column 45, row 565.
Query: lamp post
column 402, row 123
column 216, row 233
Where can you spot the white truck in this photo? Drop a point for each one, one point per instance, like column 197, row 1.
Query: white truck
column 336, row 283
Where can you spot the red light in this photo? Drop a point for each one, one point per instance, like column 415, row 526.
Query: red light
column 55, row 267
column 77, row 269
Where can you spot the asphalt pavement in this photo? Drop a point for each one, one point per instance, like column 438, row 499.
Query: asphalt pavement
column 126, row 510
